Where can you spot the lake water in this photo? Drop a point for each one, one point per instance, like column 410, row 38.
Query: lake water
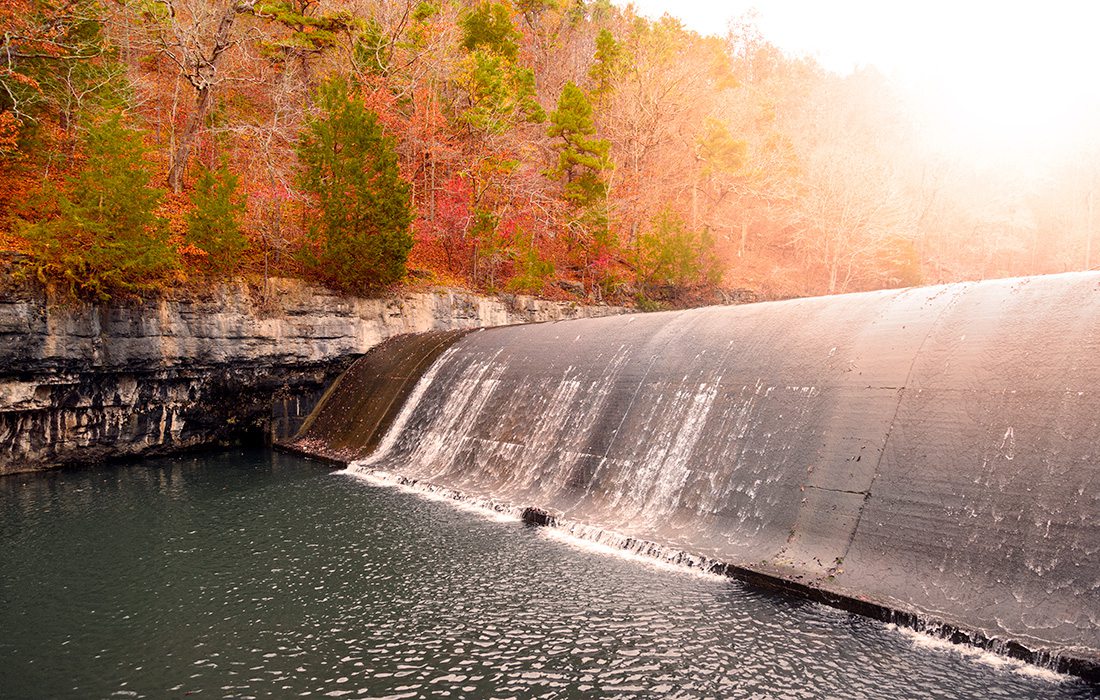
column 254, row 574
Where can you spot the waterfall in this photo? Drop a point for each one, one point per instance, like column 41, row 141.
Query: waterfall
column 933, row 452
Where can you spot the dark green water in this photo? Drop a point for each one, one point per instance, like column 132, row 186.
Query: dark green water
column 251, row 574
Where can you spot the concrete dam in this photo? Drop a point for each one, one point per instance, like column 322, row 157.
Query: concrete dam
column 927, row 456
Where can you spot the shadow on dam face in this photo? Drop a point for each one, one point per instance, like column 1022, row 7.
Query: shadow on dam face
column 926, row 453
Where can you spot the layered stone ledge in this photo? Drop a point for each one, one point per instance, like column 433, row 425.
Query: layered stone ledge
column 85, row 383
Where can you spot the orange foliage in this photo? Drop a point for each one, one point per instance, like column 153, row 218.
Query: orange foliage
column 774, row 167
column 9, row 135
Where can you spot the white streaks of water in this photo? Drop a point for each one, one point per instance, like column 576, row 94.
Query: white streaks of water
column 390, row 439
column 609, row 542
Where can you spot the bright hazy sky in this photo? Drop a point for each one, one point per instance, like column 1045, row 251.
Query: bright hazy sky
column 991, row 72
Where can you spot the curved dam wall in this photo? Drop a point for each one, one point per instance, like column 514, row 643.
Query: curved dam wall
column 935, row 451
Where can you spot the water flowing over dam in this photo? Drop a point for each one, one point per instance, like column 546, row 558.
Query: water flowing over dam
column 933, row 452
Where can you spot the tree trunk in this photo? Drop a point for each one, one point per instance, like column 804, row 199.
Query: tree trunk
column 187, row 138
column 201, row 71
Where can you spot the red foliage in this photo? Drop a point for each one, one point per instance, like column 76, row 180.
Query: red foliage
column 443, row 240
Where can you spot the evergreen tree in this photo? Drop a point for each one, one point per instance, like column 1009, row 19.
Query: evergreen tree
column 307, row 34
column 107, row 237
column 359, row 237
column 489, row 247
column 582, row 157
column 489, row 27
column 532, row 270
column 582, row 161
column 671, row 254
column 370, row 50
column 718, row 150
column 608, row 64
column 501, row 92
column 213, row 225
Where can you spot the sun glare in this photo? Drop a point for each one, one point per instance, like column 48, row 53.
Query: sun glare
column 989, row 76
column 1005, row 79
column 985, row 112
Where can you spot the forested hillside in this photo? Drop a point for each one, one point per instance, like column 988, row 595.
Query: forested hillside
column 561, row 147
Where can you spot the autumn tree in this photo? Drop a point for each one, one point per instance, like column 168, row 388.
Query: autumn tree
column 106, row 237
column 674, row 79
column 39, row 39
column 195, row 35
column 56, row 66
column 448, row 230
column 359, row 237
column 849, row 209
column 719, row 156
column 797, row 180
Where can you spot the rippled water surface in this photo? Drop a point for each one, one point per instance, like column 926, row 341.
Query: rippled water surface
column 250, row 574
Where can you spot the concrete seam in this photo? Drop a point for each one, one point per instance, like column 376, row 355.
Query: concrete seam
column 893, row 418
column 825, row 488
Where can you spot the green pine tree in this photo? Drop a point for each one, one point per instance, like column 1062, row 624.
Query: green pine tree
column 307, row 33
column 671, row 254
column 107, row 237
column 213, row 225
column 582, row 157
column 371, row 49
column 489, row 26
column 359, row 237
column 531, row 269
column 501, row 93
column 608, row 64
column 582, row 162
column 718, row 150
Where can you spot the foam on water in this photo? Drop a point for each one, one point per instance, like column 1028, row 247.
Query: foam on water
column 484, row 507
column 923, row 640
column 567, row 536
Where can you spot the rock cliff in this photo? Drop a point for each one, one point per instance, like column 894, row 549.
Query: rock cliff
column 81, row 384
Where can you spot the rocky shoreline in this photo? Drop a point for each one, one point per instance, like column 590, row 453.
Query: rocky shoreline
column 92, row 382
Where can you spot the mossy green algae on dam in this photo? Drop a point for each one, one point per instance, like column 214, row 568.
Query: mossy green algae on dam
column 930, row 451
